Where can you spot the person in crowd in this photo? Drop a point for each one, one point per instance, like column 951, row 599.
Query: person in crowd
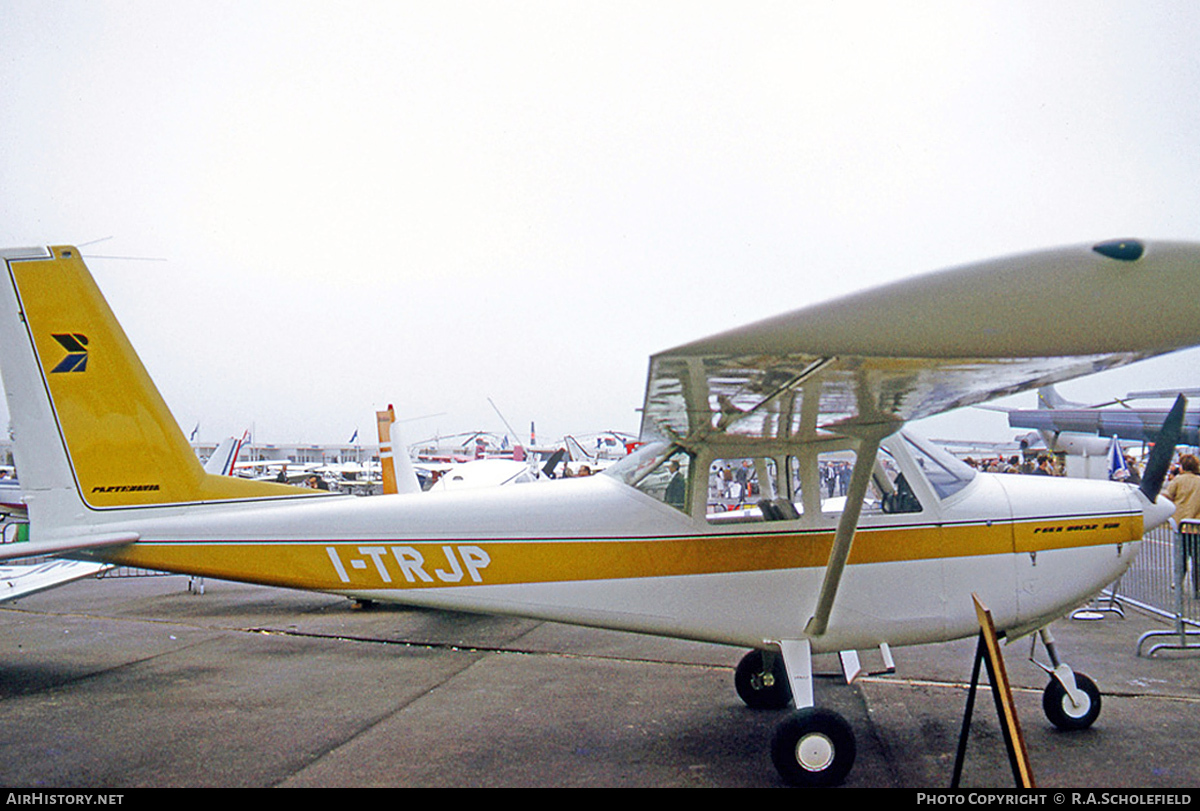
column 1184, row 492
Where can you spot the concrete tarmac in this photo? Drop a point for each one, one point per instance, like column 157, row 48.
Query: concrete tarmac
column 135, row 682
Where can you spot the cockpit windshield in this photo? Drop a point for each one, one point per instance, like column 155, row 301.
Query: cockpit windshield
column 633, row 467
column 660, row 470
column 946, row 474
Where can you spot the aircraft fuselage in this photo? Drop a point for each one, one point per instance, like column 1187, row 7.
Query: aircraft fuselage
column 594, row 551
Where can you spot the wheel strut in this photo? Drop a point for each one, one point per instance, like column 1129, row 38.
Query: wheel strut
column 1071, row 701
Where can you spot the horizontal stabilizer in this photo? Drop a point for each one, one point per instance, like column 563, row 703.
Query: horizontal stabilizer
column 21, row 581
column 60, row 546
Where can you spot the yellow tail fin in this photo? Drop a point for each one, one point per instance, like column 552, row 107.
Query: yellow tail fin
column 123, row 448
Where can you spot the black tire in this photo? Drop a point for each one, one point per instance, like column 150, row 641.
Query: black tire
column 759, row 689
column 813, row 747
column 1060, row 711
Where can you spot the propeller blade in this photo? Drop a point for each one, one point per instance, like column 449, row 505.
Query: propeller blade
column 548, row 468
column 1164, row 450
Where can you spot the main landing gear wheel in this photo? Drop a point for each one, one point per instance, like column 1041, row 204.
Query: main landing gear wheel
column 760, row 688
column 813, row 747
column 1063, row 713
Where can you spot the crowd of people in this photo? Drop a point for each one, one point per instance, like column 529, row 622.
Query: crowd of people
column 1043, row 465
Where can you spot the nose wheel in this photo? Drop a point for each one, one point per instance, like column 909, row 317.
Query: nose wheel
column 1069, row 713
column 1071, row 701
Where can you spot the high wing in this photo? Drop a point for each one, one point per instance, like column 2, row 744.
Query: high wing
column 860, row 367
column 924, row 346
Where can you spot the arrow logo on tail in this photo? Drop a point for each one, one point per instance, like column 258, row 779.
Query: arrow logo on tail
column 76, row 359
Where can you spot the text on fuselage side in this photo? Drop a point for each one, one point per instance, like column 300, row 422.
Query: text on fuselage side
column 1075, row 528
column 460, row 560
column 124, row 488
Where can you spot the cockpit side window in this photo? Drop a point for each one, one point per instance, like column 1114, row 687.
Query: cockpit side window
column 823, row 483
column 745, row 489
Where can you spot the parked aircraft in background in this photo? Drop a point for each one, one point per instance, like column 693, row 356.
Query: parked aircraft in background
column 577, row 460
column 595, row 453
column 397, row 470
column 465, row 446
column 224, row 458
column 1056, row 417
column 402, row 475
column 610, row 445
column 1083, row 433
column 896, row 560
column 281, row 471
column 477, row 473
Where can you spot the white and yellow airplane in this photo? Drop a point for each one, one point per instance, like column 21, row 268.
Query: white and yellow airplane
column 109, row 477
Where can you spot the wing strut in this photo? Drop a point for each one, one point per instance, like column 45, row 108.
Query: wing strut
column 864, row 465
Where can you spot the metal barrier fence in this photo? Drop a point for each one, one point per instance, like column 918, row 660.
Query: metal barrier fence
column 129, row 571
column 115, row 571
column 1159, row 582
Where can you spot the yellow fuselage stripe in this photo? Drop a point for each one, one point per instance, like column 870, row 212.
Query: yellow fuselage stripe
column 347, row 564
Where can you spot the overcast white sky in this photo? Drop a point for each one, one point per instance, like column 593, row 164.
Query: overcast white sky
column 436, row 203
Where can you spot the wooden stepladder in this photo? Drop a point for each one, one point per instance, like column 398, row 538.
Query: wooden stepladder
column 988, row 651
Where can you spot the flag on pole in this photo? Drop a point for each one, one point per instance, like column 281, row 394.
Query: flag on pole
column 1118, row 471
